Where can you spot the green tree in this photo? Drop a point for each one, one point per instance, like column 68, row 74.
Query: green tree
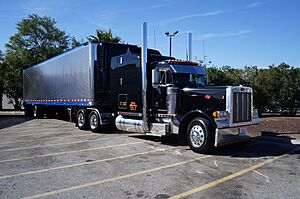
column 36, row 40
column 288, row 84
column 275, row 85
column 75, row 42
column 261, row 82
column 225, row 75
column 215, row 76
column 104, row 36
column 1, row 79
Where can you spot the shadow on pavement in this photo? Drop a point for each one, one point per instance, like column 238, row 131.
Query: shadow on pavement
column 170, row 140
column 260, row 147
column 12, row 120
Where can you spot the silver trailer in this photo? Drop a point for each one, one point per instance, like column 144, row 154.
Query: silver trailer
column 62, row 80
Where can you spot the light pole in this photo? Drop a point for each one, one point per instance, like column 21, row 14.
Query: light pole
column 202, row 61
column 170, row 35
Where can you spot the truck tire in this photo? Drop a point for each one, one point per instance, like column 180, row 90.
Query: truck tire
column 81, row 119
column 277, row 109
column 200, row 135
column 94, row 122
column 266, row 109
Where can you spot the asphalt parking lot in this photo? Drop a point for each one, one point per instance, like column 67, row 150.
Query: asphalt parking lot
column 50, row 158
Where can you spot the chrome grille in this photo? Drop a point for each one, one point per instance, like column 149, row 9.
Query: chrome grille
column 241, row 107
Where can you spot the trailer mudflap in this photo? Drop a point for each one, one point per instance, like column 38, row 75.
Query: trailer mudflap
column 225, row 136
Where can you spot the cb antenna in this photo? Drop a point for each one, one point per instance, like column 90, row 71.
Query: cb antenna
column 154, row 39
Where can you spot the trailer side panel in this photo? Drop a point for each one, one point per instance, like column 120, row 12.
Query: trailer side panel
column 64, row 78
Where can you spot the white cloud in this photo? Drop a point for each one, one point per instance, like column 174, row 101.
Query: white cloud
column 212, row 13
column 45, row 7
column 161, row 5
column 226, row 34
column 239, row 33
column 102, row 19
column 252, row 5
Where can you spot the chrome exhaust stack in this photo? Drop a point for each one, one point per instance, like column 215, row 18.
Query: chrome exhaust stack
column 189, row 41
column 133, row 125
column 144, row 78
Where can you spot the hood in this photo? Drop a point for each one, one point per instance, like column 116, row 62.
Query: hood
column 207, row 98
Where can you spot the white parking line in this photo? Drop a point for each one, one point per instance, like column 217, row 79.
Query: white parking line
column 60, row 144
column 11, row 135
column 216, row 164
column 84, row 163
column 68, row 152
column 72, row 188
column 45, row 139
column 231, row 176
column 259, row 173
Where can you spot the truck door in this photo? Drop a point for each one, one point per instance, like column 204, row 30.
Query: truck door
column 164, row 80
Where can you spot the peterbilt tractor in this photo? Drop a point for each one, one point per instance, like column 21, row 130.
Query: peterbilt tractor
column 137, row 89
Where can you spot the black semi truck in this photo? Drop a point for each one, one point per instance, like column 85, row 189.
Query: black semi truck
column 139, row 90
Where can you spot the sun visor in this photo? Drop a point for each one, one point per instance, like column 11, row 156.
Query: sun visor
column 187, row 69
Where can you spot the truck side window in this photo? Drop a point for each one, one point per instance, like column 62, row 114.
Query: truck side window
column 162, row 75
column 168, row 78
column 165, row 78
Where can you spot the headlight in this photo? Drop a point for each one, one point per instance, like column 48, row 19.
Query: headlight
column 221, row 114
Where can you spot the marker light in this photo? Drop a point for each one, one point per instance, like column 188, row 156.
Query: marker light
column 207, row 97
column 182, row 62
column 215, row 114
column 220, row 114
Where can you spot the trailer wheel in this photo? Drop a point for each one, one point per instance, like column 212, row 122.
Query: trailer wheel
column 94, row 122
column 200, row 135
column 81, row 119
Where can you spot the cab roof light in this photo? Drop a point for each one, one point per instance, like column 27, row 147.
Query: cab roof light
column 182, row 62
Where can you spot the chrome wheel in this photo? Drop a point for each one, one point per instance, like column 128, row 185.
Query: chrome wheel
column 93, row 121
column 197, row 136
column 278, row 109
column 266, row 109
column 81, row 119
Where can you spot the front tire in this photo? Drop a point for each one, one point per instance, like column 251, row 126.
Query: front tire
column 200, row 135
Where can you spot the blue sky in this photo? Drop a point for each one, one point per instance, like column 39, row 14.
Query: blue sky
column 235, row 32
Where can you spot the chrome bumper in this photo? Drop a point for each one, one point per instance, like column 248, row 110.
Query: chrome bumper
column 234, row 133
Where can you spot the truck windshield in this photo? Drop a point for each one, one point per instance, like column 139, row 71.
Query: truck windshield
column 183, row 80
